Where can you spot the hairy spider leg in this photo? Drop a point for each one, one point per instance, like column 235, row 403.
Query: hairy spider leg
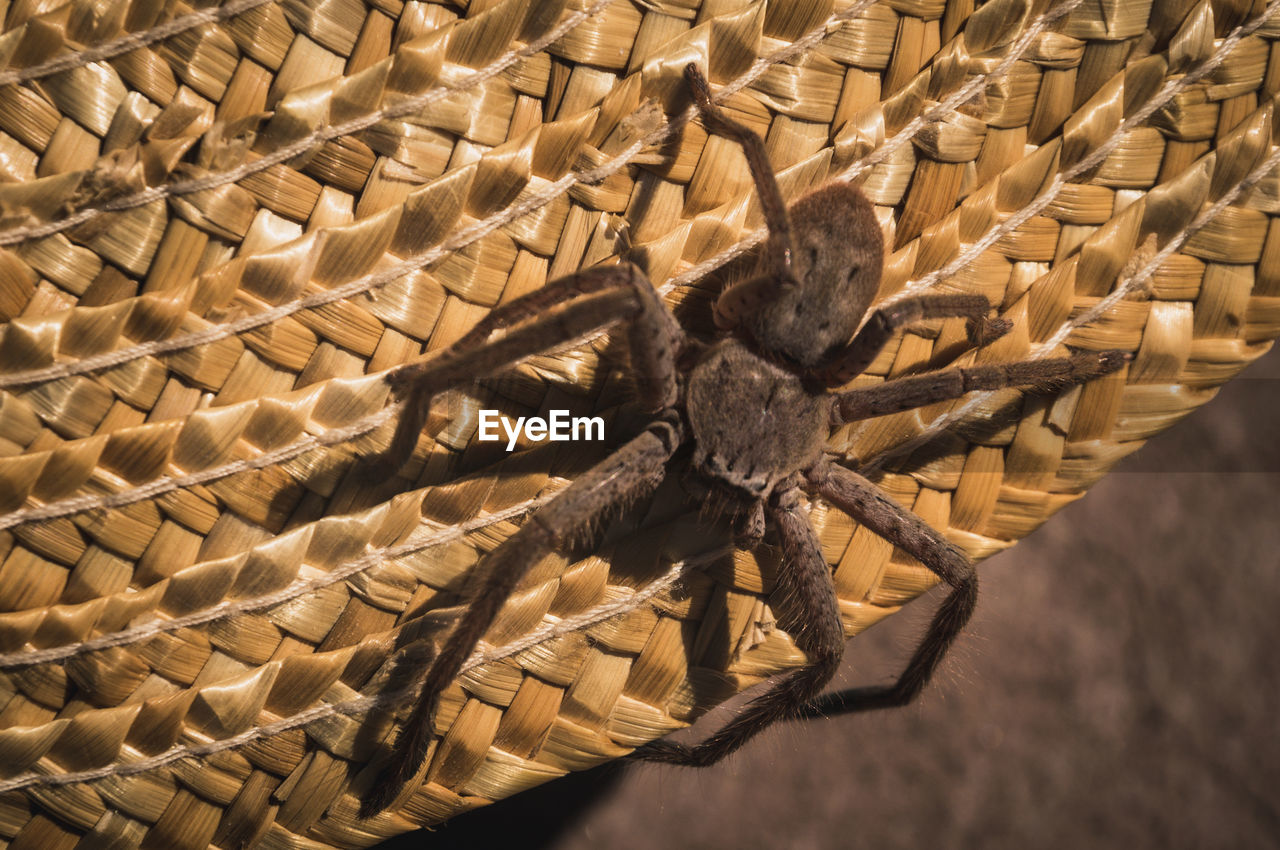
column 746, row 296
column 563, row 310
column 871, row 508
column 627, row 474
column 806, row 604
column 899, row 394
column 887, row 321
column 606, row 295
column 806, row 589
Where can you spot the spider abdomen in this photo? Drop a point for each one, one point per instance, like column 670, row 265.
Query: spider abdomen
column 837, row 257
column 753, row 422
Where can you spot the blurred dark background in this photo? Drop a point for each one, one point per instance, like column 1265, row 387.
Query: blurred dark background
column 1118, row 688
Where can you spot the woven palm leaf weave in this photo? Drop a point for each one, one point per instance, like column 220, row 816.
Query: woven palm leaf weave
column 221, row 226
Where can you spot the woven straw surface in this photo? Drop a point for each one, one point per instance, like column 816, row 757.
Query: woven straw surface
column 220, row 227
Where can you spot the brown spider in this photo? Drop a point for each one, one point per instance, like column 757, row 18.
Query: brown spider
column 757, row 406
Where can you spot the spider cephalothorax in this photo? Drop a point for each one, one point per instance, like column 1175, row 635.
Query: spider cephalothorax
column 758, row 405
column 753, row 422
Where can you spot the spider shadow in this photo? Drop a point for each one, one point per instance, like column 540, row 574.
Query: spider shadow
column 534, row 819
column 423, row 628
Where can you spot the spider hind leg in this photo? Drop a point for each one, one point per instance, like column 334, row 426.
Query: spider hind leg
column 626, row 474
column 806, row 605
column 808, row 609
column 867, row 504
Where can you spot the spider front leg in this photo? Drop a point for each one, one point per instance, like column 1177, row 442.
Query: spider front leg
column 561, row 311
column 885, row 322
column 747, row 296
column 868, row 505
column 627, row 474
column 899, row 394
column 807, row 608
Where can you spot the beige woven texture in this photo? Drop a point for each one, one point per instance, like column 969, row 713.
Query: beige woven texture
column 221, row 227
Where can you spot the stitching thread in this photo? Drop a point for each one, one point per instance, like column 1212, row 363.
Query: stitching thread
column 542, row 634
column 1064, row 330
column 327, row 133
column 296, row 588
column 169, row 483
column 1167, row 92
column 127, row 43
